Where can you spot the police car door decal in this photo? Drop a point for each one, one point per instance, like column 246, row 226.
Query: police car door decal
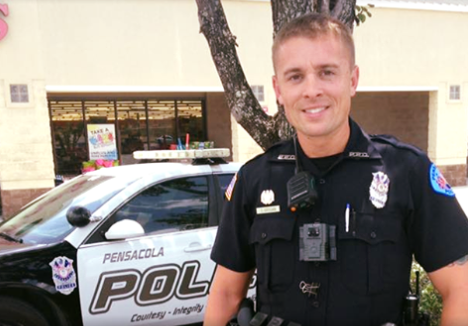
column 138, row 288
column 160, row 278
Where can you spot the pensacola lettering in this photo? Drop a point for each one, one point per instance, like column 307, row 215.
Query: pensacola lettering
column 152, row 315
column 116, row 257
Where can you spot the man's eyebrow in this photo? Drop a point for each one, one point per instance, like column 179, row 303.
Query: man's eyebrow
column 319, row 67
column 329, row 65
column 291, row 71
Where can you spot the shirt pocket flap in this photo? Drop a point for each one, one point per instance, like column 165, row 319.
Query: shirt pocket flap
column 267, row 228
column 373, row 228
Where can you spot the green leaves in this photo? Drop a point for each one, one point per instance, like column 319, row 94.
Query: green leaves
column 361, row 13
column 430, row 301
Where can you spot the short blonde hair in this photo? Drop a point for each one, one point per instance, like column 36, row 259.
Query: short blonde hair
column 312, row 26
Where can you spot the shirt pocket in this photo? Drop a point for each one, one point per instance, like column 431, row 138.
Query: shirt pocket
column 272, row 237
column 374, row 254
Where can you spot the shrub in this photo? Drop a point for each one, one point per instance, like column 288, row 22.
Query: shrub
column 430, row 301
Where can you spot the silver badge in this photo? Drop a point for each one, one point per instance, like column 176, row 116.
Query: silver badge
column 379, row 189
column 63, row 274
column 267, row 197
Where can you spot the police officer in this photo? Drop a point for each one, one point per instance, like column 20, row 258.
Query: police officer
column 337, row 251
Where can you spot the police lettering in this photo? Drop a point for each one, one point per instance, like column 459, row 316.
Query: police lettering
column 358, row 154
column 116, row 257
column 156, row 285
column 286, row 157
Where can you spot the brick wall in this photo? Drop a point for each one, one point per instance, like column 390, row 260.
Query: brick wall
column 13, row 200
column 218, row 121
column 404, row 115
column 454, row 174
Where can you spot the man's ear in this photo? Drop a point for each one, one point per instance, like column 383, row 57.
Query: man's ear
column 276, row 87
column 354, row 80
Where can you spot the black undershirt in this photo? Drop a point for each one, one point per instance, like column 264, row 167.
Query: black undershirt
column 321, row 163
column 324, row 163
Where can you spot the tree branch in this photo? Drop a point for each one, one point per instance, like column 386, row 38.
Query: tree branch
column 325, row 7
column 285, row 10
column 240, row 98
column 344, row 11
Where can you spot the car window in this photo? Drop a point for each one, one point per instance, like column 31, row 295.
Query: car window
column 43, row 220
column 224, row 180
column 175, row 205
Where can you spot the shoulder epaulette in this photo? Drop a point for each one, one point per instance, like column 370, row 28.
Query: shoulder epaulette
column 392, row 140
column 268, row 150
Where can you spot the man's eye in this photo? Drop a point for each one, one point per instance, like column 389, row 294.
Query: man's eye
column 294, row 77
column 328, row 73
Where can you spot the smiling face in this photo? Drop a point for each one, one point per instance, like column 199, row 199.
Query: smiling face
column 315, row 81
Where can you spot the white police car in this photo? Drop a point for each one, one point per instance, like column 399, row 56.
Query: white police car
column 127, row 245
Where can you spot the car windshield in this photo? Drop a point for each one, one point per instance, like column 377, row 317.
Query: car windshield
column 44, row 221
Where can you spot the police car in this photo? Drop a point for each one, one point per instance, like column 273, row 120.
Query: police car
column 127, row 245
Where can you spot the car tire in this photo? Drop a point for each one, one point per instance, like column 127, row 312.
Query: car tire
column 14, row 312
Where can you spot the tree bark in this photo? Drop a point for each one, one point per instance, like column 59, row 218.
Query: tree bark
column 239, row 96
column 264, row 129
column 285, row 10
column 344, row 11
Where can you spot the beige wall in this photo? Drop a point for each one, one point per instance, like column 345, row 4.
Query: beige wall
column 405, row 47
column 26, row 160
column 421, row 49
column 142, row 45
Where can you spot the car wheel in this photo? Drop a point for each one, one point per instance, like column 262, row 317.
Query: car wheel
column 14, row 312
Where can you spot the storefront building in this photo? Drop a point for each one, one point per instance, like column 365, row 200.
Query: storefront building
column 142, row 70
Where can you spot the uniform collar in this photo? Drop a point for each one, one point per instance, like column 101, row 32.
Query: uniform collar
column 359, row 147
column 359, row 144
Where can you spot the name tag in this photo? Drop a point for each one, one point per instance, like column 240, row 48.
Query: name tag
column 268, row 209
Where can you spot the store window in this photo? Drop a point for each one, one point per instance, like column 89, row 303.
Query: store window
column 132, row 130
column 68, row 136
column 161, row 124
column 140, row 124
column 190, row 120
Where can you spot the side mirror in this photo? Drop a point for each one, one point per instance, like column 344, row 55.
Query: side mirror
column 78, row 216
column 124, row 229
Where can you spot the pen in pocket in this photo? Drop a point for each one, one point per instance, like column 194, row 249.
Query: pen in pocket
column 347, row 217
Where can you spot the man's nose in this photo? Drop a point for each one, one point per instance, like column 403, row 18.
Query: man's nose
column 312, row 87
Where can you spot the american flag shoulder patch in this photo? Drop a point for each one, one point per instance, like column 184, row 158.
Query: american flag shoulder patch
column 230, row 188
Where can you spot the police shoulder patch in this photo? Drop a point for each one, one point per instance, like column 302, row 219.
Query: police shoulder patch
column 438, row 182
column 230, row 188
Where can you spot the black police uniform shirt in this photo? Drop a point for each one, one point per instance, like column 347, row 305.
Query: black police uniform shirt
column 368, row 282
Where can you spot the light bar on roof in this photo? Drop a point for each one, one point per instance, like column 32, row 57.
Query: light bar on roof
column 181, row 154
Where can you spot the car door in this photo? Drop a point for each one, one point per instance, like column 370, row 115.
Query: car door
column 162, row 277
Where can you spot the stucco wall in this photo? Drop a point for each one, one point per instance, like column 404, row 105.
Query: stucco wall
column 157, row 43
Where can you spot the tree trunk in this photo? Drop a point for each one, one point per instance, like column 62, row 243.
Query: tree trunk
column 285, row 10
column 240, row 98
column 264, row 129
